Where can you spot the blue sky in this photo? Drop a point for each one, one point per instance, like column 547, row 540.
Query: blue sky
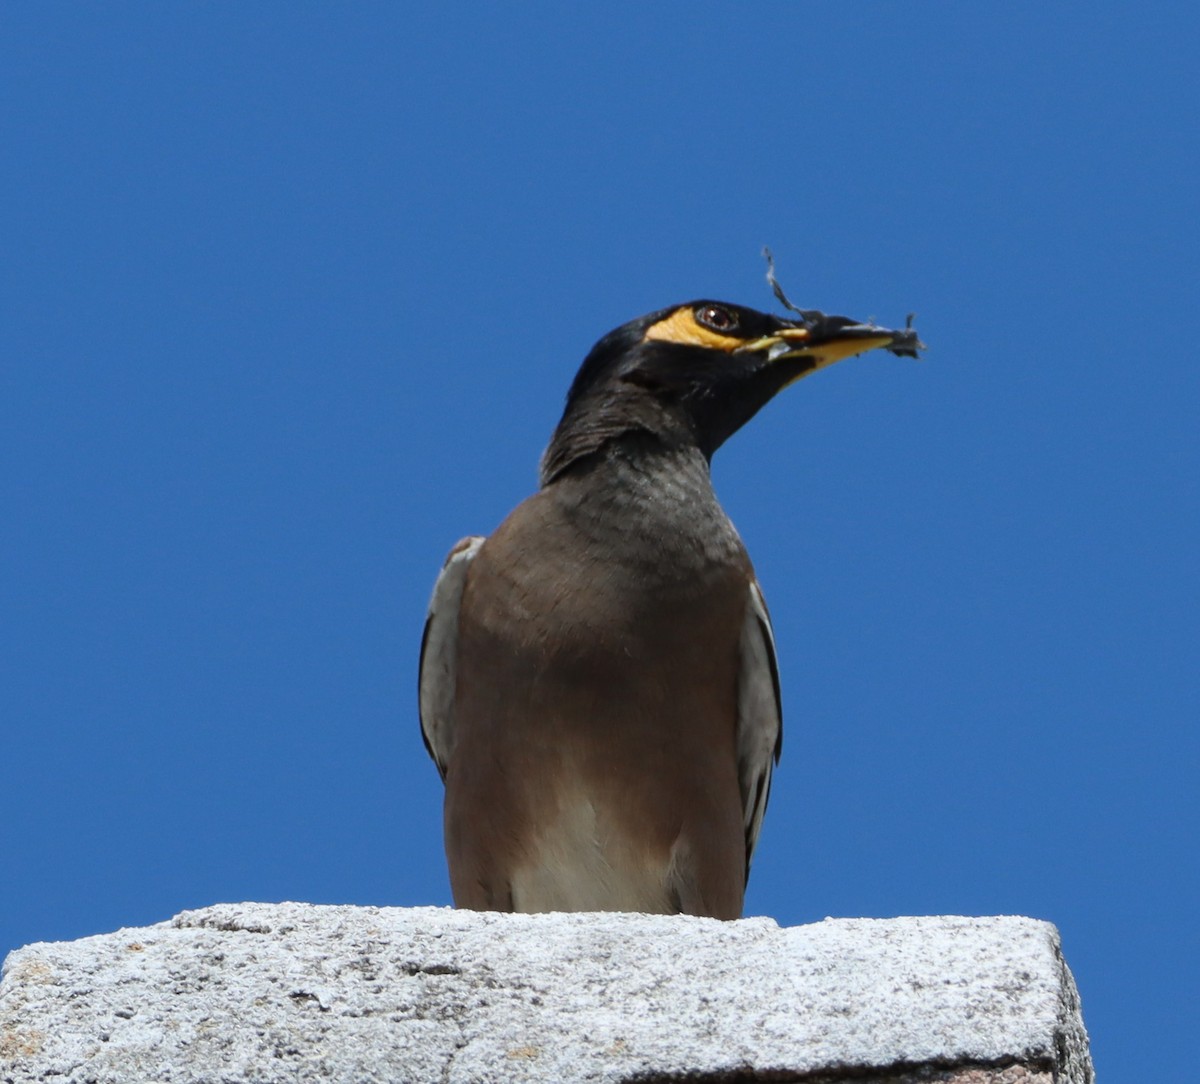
column 292, row 294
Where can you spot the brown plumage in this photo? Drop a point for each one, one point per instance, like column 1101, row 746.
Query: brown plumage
column 598, row 684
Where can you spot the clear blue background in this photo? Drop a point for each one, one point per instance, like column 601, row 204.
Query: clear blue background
column 291, row 296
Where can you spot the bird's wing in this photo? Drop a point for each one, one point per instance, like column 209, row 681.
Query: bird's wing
column 760, row 715
column 439, row 652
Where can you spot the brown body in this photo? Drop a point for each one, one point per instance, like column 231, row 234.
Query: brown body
column 612, row 784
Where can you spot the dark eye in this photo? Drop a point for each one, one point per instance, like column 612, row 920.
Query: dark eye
column 716, row 317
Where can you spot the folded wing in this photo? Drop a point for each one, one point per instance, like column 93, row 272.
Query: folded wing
column 439, row 653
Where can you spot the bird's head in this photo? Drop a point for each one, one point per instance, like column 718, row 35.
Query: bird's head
column 694, row 374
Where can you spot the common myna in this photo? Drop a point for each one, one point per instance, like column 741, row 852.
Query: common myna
column 598, row 684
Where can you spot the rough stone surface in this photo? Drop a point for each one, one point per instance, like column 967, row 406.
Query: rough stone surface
column 294, row 992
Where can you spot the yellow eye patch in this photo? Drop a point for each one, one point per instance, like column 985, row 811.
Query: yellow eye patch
column 681, row 327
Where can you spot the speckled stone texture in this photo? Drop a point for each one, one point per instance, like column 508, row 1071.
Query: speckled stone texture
column 293, row 992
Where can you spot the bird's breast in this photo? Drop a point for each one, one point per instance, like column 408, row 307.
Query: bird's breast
column 596, row 711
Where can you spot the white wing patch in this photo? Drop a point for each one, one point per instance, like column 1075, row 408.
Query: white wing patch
column 439, row 653
column 760, row 716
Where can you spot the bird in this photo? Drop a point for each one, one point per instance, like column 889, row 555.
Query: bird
column 598, row 684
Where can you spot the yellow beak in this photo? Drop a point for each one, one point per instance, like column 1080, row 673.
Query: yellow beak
column 826, row 345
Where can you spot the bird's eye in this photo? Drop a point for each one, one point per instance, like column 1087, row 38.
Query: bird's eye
column 716, row 317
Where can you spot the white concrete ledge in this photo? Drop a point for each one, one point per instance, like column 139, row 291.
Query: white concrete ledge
column 293, row 992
